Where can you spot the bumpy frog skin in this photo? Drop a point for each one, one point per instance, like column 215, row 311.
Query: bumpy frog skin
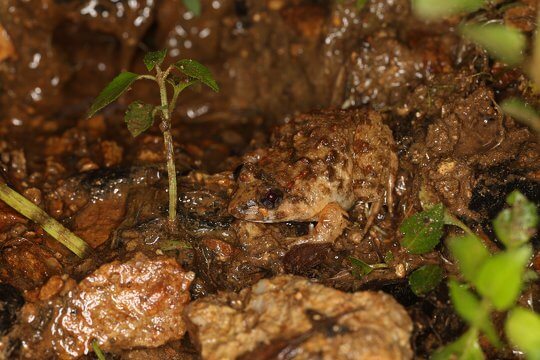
column 318, row 166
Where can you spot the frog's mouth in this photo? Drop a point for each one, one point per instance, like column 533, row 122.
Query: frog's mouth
column 250, row 211
column 257, row 208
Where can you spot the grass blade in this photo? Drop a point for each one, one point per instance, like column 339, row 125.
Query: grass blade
column 40, row 217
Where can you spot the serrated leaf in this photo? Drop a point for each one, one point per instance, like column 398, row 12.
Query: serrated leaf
column 198, row 71
column 112, row 91
column 469, row 307
column 182, row 85
column 464, row 348
column 504, row 43
column 500, row 277
column 154, row 58
column 522, row 112
column 522, row 328
column 194, row 6
column 436, row 9
column 423, row 231
column 425, row 279
column 515, row 226
column 360, row 268
column 139, row 117
column 470, row 253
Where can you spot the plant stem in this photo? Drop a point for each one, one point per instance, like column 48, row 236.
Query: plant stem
column 165, row 127
column 40, row 217
column 450, row 219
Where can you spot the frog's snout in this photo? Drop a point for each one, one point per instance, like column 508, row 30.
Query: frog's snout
column 243, row 209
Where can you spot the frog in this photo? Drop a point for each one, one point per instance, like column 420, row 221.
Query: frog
column 315, row 168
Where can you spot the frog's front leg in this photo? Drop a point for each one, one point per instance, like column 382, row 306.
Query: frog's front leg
column 331, row 222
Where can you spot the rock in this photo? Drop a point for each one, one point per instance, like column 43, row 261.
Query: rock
column 122, row 305
column 290, row 315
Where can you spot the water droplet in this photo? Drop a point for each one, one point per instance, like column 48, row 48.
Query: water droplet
column 36, row 94
column 35, row 61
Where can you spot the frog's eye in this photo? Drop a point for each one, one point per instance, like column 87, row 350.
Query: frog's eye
column 272, row 198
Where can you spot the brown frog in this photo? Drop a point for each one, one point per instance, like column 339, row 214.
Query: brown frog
column 316, row 167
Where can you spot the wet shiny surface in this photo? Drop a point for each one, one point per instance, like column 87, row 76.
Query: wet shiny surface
column 137, row 303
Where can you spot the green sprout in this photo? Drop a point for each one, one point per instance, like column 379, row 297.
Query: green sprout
column 487, row 282
column 140, row 116
column 40, row 217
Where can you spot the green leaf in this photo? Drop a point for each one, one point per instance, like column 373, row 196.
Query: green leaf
column 470, row 308
column 522, row 328
column 535, row 63
column 139, row 117
column 464, row 348
column 425, row 279
column 388, row 257
column 503, row 42
column 515, row 226
column 98, row 351
column 466, row 303
column 436, row 9
column 154, row 58
column 522, row 112
column 470, row 253
column 360, row 268
column 194, row 6
column 530, row 276
column 196, row 70
column 423, row 231
column 112, row 91
column 174, row 245
column 182, row 85
column 500, row 277
column 360, row 4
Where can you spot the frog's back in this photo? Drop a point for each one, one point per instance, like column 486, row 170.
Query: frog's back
column 375, row 158
column 353, row 149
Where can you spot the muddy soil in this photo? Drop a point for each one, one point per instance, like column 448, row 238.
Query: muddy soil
column 436, row 93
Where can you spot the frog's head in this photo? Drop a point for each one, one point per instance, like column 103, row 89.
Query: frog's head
column 262, row 197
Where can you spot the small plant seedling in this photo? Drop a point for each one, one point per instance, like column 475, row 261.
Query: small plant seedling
column 140, row 116
column 487, row 282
